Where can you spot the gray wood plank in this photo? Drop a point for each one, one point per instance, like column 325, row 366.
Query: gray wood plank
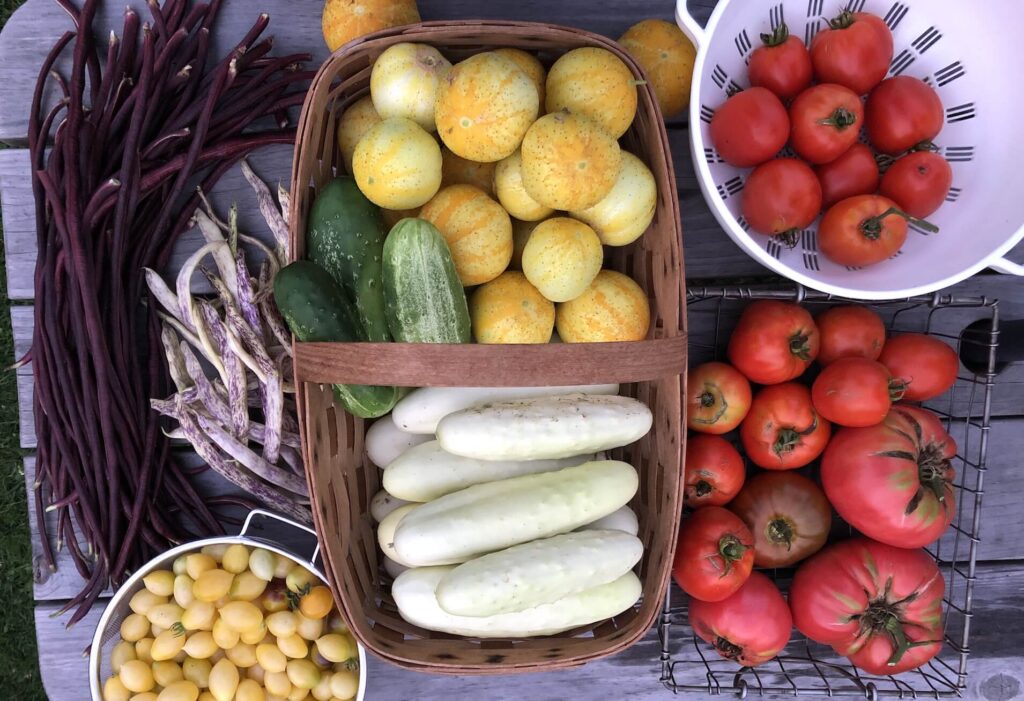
column 995, row 669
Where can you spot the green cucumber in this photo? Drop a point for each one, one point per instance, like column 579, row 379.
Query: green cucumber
column 346, row 237
column 315, row 309
column 425, row 302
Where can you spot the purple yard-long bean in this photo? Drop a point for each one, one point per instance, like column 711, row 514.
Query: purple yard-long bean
column 139, row 118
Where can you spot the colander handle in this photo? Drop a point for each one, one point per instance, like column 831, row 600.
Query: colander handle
column 260, row 513
column 1004, row 265
column 689, row 24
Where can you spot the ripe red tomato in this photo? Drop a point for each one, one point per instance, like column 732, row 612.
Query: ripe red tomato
column 782, row 430
column 849, row 331
column 750, row 127
column 918, row 182
column 717, row 398
column 750, row 627
column 781, row 65
column 855, row 392
column 901, row 113
column 714, row 555
column 787, row 514
column 781, row 196
column 773, row 342
column 927, row 365
column 714, row 471
column 855, row 51
column 893, row 481
column 880, row 606
column 853, row 173
column 862, row 230
column 824, row 122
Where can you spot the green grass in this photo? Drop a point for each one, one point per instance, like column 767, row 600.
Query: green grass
column 19, row 669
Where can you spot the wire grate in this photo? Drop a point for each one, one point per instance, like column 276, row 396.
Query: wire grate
column 807, row 668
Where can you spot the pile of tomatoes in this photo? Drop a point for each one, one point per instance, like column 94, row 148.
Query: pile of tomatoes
column 884, row 466
column 865, row 212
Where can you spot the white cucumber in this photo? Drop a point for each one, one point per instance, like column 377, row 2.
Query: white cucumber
column 393, row 568
column 624, row 520
column 386, row 532
column 421, row 410
column 414, row 593
column 544, row 427
column 540, row 572
column 426, row 472
column 383, row 504
column 385, row 441
column 497, row 515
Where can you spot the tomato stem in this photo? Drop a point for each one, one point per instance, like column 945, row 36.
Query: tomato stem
column 778, row 531
column 924, row 146
column 799, row 345
column 777, row 36
column 703, row 488
column 897, row 388
column 786, row 440
column 843, row 21
column 711, row 396
column 731, row 549
column 841, row 118
column 789, row 238
column 727, row 649
column 872, row 226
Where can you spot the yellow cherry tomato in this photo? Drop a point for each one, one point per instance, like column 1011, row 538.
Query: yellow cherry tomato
column 200, row 645
column 277, row 683
column 134, row 627
column 345, row 683
column 293, row 646
column 216, row 550
column 142, row 650
column 246, row 587
column 160, row 582
column 224, row 635
column 300, row 580
column 335, row 648
column 254, row 635
column 167, row 672
column 236, row 559
column 115, row 690
column 165, row 615
column 241, row 615
column 317, row 603
column 197, row 671
column 249, row 690
column 183, row 595
column 197, row 563
column 143, row 600
column 303, row 674
column 224, row 680
column 271, row 658
column 121, row 653
column 167, row 645
column 282, row 623
column 242, row 655
column 212, row 584
column 309, row 628
column 199, row 615
column 262, row 563
column 137, row 676
column 183, row 690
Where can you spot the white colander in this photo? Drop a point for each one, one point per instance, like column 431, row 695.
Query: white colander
column 970, row 53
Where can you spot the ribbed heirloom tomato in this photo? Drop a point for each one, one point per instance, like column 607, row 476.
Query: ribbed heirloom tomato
column 781, row 197
column 878, row 605
column 781, row 64
column 918, row 182
column 824, row 121
column 714, row 555
column 849, row 331
column 855, row 51
column 856, row 392
column 717, row 398
column 750, row 127
column 893, row 481
column 901, row 113
column 773, row 341
column 750, row 627
column 782, row 431
column 714, row 471
column 853, row 173
column 927, row 365
column 787, row 514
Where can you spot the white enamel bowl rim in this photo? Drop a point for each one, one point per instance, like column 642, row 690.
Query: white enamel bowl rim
column 701, row 38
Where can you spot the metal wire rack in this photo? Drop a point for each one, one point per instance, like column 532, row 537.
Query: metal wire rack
column 806, row 667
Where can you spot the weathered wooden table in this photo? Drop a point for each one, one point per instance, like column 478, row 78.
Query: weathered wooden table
column 997, row 642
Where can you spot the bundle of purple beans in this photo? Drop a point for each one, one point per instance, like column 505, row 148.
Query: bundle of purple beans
column 140, row 121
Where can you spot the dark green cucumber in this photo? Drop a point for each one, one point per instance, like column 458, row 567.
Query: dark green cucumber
column 316, row 310
column 345, row 237
column 425, row 300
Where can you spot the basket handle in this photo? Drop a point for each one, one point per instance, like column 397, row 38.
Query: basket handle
column 689, row 24
column 261, row 514
column 1007, row 266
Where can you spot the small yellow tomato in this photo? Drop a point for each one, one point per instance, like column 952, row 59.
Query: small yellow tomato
column 197, row 563
column 282, row 623
column 183, row 690
column 166, row 672
column 254, row 635
column 224, row 680
column 271, row 658
column 206, row 696
column 165, row 615
column 247, row 587
column 236, row 559
column 142, row 650
column 300, row 580
column 274, row 599
column 241, row 615
column 121, row 653
column 180, row 565
column 200, row 645
column 256, row 673
column 250, row 690
column 183, row 595
column 322, row 691
column 143, row 600
column 197, row 671
column 134, row 627
column 303, row 674
column 298, row 694
column 115, row 690
column 262, row 563
column 345, row 683
column 160, row 582
column 309, row 628
column 212, row 584
column 216, row 550
column 282, row 566
column 293, row 646
column 145, row 696
column 224, row 635
column 335, row 647
column 167, row 645
column 199, row 615
column 136, row 676
column 317, row 603
column 242, row 655
column 277, row 683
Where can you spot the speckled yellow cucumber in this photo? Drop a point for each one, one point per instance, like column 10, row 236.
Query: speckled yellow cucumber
column 316, row 310
column 423, row 296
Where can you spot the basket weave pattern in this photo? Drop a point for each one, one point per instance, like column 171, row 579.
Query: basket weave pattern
column 341, row 479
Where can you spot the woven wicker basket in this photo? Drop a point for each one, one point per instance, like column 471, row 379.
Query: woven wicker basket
column 341, row 479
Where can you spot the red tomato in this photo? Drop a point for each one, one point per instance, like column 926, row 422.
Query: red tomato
column 855, row 392
column 901, row 113
column 880, row 606
column 782, row 430
column 893, row 481
column 849, row 331
column 714, row 471
column 714, row 555
column 824, row 122
column 782, row 65
column 862, row 230
column 773, row 342
column 751, row 127
column 781, row 196
column 854, row 52
column 853, row 173
column 787, row 514
column 918, row 182
column 750, row 627
column 717, row 398
column 926, row 364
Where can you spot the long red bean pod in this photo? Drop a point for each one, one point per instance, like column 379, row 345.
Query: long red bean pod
column 140, row 119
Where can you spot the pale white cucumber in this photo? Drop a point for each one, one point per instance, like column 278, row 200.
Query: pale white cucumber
column 383, row 504
column 393, row 568
column 540, row 572
column 622, row 520
column 426, row 472
column 497, row 515
column 385, row 441
column 386, row 532
column 414, row 593
column 544, row 427
column 420, row 410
